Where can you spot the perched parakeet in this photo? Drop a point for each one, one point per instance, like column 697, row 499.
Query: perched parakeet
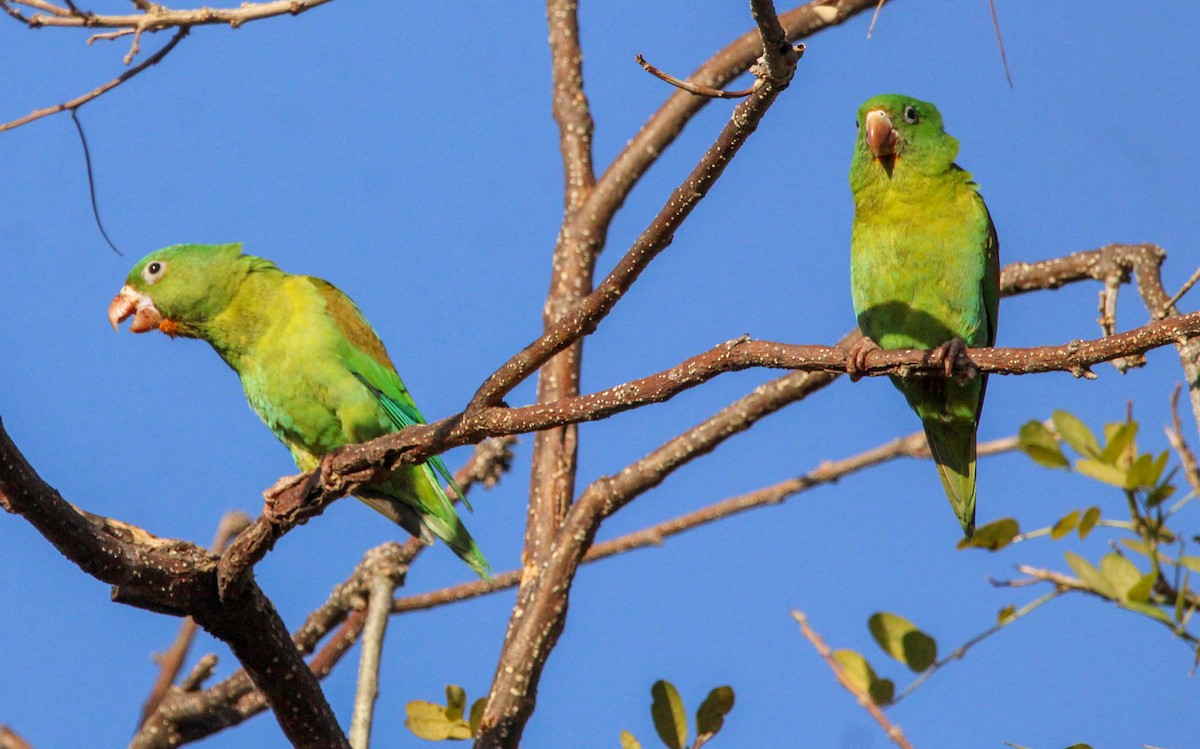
column 924, row 273
column 311, row 366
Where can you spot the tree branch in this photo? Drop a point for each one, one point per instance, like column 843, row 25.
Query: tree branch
column 157, row 17
column 891, row 729
column 828, row 472
column 177, row 577
column 85, row 98
column 170, row 662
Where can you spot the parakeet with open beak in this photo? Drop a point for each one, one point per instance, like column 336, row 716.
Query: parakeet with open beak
column 312, row 367
column 925, row 274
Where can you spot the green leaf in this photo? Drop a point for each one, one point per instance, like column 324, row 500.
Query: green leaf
column 859, row 673
column 667, row 711
column 1065, row 525
column 1101, row 472
column 1138, row 471
column 1080, row 746
column 1149, row 610
column 1190, row 562
column 1160, row 463
column 1119, row 438
column 1006, row 615
column 1036, row 441
column 1089, row 575
column 456, row 702
column 628, row 741
column 1137, row 545
column 901, row 639
column 993, row 536
column 1090, row 516
column 1141, row 590
column 1121, row 574
column 1163, row 491
column 1181, row 598
column 428, row 721
column 476, row 715
column 1076, row 434
column 710, row 716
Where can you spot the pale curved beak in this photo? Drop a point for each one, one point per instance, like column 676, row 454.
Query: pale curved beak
column 881, row 136
column 128, row 302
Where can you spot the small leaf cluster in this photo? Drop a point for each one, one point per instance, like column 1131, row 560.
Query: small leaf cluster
column 670, row 718
column 1161, row 590
column 429, row 720
column 899, row 638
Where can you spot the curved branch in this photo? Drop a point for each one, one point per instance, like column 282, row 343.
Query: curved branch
column 79, row 101
column 177, row 577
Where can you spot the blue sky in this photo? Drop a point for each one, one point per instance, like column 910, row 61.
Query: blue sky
column 406, row 152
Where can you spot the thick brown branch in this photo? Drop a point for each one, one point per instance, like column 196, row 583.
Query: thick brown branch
column 170, row 662
column 189, row 716
column 345, row 470
column 177, row 577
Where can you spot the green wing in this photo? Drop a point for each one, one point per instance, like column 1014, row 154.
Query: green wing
column 403, row 413
column 366, row 358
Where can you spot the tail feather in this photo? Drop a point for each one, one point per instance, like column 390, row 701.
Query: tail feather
column 414, row 499
column 952, row 443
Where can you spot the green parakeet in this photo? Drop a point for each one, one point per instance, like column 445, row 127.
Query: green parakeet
column 311, row 366
column 925, row 273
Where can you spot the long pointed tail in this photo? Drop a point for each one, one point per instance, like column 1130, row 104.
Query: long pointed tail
column 953, row 445
column 439, row 516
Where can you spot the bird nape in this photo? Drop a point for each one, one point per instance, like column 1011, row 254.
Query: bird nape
column 312, row 367
column 924, row 274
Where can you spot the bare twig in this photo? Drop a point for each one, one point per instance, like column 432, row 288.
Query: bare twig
column 157, row 17
column 1187, row 286
column 693, row 88
column 1187, row 458
column 84, row 99
column 891, row 729
column 1000, row 41
column 383, row 582
column 961, row 650
column 828, row 472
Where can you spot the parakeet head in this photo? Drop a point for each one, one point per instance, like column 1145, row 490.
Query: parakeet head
column 178, row 289
column 898, row 133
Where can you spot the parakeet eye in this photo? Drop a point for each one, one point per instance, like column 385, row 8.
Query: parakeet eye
column 911, row 116
column 153, row 271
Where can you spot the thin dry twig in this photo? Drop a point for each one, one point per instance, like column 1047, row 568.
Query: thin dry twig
column 157, row 17
column 693, row 88
column 384, row 581
column 891, row 729
column 1187, row 458
column 85, row 98
column 1187, row 286
column 828, row 472
column 959, row 652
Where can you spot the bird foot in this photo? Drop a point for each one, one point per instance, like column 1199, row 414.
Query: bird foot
column 952, row 354
column 856, row 359
column 272, row 494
